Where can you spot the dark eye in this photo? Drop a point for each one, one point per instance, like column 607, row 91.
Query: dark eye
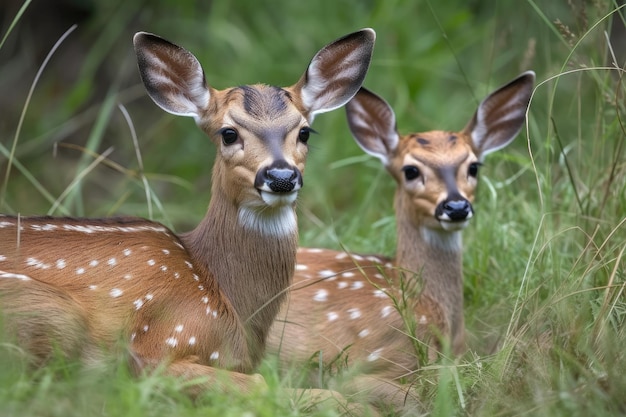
column 303, row 135
column 472, row 171
column 229, row 136
column 411, row 172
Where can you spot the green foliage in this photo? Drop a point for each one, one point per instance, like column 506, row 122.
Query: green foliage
column 544, row 257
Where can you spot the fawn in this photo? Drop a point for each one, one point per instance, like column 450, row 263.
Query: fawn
column 199, row 301
column 348, row 304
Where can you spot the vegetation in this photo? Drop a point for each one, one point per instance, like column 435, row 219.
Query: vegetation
column 545, row 260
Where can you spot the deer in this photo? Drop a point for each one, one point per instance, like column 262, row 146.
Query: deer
column 386, row 317
column 199, row 304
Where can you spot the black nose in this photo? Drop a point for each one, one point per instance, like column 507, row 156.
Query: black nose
column 280, row 177
column 455, row 210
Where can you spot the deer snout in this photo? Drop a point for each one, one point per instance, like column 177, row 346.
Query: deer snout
column 454, row 213
column 279, row 177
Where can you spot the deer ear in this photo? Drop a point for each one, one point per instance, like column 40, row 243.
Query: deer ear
column 172, row 75
column 373, row 124
column 336, row 72
column 501, row 115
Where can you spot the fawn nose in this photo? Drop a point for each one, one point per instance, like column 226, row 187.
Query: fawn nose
column 454, row 210
column 280, row 177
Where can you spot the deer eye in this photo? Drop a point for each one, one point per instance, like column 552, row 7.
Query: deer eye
column 472, row 171
column 411, row 172
column 303, row 135
column 229, row 136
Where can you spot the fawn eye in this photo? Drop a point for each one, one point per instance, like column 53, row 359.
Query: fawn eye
column 472, row 171
column 303, row 135
column 229, row 136
column 411, row 172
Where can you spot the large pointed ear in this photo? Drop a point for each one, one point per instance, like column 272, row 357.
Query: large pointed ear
column 336, row 73
column 172, row 76
column 373, row 125
column 501, row 115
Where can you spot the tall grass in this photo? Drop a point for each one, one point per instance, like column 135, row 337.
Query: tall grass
column 544, row 257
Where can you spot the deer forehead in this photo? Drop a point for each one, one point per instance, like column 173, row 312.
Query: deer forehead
column 260, row 109
column 435, row 149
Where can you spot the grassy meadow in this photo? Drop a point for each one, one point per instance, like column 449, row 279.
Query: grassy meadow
column 544, row 257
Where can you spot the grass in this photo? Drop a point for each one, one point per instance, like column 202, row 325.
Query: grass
column 544, row 257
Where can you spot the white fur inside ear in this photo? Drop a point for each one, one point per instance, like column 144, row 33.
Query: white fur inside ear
column 323, row 93
column 375, row 138
column 179, row 94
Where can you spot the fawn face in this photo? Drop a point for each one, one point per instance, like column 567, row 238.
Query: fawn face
column 437, row 175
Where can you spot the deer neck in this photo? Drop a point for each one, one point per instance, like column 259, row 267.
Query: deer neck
column 434, row 257
column 251, row 258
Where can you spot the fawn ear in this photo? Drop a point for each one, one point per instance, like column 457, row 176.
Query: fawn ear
column 373, row 124
column 501, row 115
column 336, row 73
column 172, row 75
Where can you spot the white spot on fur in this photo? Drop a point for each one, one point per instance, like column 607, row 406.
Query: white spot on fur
column 214, row 356
column 380, row 294
column 357, row 285
column 40, row 227
column 386, row 311
column 332, row 316
column 80, row 271
column 374, row 259
column 176, row 275
column 347, row 274
column 128, row 276
column 205, row 300
column 21, row 277
column 189, row 264
column 300, row 267
column 326, row 273
column 179, row 328
column 145, row 328
column 163, row 268
column 127, row 252
column 354, row 313
column 357, row 257
column 171, row 341
column 112, row 262
column 149, row 297
column 151, row 262
column 61, row 263
column 93, row 287
column 192, row 340
column 321, row 295
column 165, row 251
column 342, row 284
column 36, row 263
column 374, row 355
column 423, row 319
column 341, row 256
column 138, row 303
column 364, row 333
column 3, row 258
column 196, row 277
column 116, row 292
column 94, row 263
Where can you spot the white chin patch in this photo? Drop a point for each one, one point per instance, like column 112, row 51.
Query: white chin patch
column 279, row 199
column 449, row 226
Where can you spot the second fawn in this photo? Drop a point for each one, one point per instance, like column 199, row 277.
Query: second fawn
column 376, row 312
column 199, row 301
